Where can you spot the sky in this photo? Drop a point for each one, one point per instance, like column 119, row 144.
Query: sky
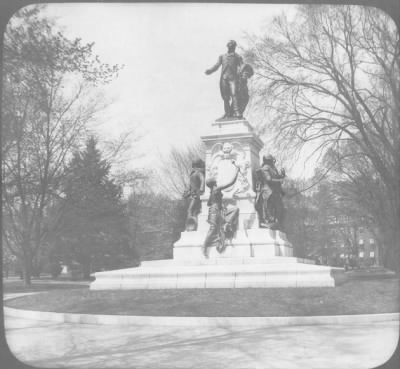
column 162, row 91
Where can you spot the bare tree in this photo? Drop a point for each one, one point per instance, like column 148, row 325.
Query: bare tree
column 329, row 78
column 155, row 223
column 47, row 104
column 175, row 169
column 362, row 195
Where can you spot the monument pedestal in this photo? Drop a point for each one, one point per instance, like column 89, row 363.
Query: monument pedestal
column 254, row 258
column 227, row 142
column 256, row 243
column 228, row 272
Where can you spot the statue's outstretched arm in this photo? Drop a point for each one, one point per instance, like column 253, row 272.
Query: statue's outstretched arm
column 215, row 67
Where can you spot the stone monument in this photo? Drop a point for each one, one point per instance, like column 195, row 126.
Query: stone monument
column 233, row 144
column 234, row 236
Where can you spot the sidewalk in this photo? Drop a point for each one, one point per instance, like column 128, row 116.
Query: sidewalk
column 351, row 344
column 91, row 346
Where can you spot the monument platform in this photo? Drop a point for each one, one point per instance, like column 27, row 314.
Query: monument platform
column 247, row 272
column 254, row 258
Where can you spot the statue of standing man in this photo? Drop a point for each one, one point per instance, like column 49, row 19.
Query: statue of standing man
column 196, row 188
column 229, row 82
column 269, row 193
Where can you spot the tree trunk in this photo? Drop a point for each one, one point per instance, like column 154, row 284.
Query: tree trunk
column 85, row 261
column 27, row 270
column 379, row 254
column 391, row 255
column 86, row 270
column 394, row 260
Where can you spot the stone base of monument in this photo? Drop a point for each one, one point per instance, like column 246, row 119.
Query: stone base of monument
column 255, row 258
column 234, row 272
column 256, row 243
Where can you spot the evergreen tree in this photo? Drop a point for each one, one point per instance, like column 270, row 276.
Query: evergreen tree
column 48, row 99
column 94, row 222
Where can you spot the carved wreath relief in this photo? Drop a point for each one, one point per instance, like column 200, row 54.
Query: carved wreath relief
column 222, row 168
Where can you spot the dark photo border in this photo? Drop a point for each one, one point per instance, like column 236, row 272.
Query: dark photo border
column 9, row 7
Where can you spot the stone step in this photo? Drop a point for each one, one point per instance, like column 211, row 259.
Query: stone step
column 223, row 261
column 172, row 275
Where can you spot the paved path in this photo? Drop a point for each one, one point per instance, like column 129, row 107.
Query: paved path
column 51, row 344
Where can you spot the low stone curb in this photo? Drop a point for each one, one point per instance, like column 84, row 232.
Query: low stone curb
column 198, row 321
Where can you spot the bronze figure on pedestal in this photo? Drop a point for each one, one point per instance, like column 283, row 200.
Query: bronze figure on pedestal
column 269, row 193
column 196, row 188
column 223, row 220
column 233, row 81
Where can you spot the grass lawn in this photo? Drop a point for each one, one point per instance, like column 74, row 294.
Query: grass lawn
column 353, row 297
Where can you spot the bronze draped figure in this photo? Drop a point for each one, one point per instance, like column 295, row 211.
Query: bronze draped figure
column 245, row 73
column 269, row 193
column 196, row 188
column 223, row 220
